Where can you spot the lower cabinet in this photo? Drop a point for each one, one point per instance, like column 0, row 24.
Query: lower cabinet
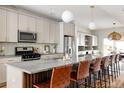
column 3, row 61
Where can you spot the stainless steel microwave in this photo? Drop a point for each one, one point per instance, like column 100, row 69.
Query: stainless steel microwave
column 30, row 37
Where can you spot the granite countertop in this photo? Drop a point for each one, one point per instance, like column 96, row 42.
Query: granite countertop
column 36, row 66
column 8, row 56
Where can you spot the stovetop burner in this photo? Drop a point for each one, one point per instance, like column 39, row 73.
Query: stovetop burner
column 27, row 53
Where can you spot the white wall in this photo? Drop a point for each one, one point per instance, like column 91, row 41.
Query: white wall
column 101, row 34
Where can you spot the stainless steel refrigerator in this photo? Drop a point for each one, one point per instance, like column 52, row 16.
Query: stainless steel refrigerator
column 68, row 45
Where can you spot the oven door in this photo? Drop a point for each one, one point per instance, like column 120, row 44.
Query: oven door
column 27, row 37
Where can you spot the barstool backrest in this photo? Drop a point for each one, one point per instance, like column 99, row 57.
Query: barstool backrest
column 61, row 77
column 97, row 64
column 83, row 70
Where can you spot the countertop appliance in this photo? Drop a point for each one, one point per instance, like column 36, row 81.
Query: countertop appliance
column 29, row 37
column 27, row 53
column 68, row 43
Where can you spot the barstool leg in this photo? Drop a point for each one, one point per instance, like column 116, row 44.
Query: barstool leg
column 94, row 77
column 100, row 79
column 77, row 85
column 112, row 72
column 105, row 77
column 108, row 75
column 117, row 71
column 119, row 66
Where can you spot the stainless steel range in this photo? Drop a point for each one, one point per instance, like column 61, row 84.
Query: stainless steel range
column 27, row 53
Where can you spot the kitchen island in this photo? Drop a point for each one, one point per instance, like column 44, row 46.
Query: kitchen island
column 25, row 74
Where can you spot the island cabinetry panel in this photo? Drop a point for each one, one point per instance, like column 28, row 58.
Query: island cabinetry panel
column 30, row 79
column 3, row 61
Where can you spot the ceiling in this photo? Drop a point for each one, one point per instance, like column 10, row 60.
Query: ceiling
column 104, row 15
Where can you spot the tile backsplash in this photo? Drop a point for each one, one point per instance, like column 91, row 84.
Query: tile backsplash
column 9, row 48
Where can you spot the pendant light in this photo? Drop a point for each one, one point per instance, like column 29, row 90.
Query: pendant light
column 92, row 25
column 67, row 16
column 114, row 35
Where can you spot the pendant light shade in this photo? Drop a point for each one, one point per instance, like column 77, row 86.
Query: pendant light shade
column 114, row 35
column 67, row 16
column 92, row 26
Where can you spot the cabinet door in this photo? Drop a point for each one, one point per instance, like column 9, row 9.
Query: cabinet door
column 52, row 31
column 12, row 29
column 82, row 39
column 79, row 38
column 2, row 73
column 66, row 29
column 31, row 24
column 2, row 25
column 72, row 29
column 46, row 31
column 69, row 29
column 94, row 41
column 40, row 31
column 23, row 22
column 42, row 28
column 57, row 33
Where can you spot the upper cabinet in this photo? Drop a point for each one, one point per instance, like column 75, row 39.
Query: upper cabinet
column 2, row 25
column 12, row 26
column 47, row 31
column 8, row 26
column 94, row 41
column 53, row 32
column 69, row 29
column 42, row 29
column 81, row 39
column 27, row 23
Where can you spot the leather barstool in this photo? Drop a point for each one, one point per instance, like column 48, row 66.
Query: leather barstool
column 60, row 78
column 105, row 70
column 82, row 74
column 95, row 70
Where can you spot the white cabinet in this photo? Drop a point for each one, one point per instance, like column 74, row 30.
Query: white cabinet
column 53, row 32
column 42, row 29
column 2, row 25
column 8, row 26
column 27, row 23
column 3, row 61
column 47, row 31
column 12, row 28
column 23, row 22
column 94, row 41
column 69, row 29
column 31, row 24
column 81, row 39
